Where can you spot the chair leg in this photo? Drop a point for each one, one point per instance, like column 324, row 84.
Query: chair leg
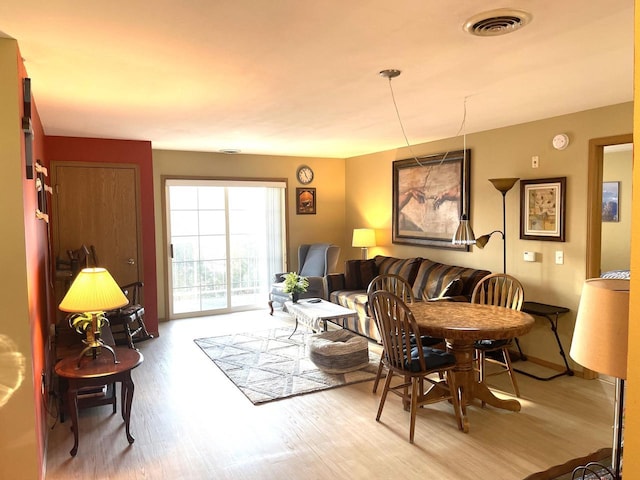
column 481, row 370
column 378, row 376
column 383, row 397
column 507, row 361
column 141, row 332
column 270, row 307
column 127, row 332
column 415, row 387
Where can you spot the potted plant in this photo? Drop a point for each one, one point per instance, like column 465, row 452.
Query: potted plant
column 295, row 285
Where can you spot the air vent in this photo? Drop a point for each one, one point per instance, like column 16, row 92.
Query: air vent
column 497, row 22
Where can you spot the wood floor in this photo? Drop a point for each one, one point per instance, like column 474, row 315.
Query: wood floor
column 191, row 422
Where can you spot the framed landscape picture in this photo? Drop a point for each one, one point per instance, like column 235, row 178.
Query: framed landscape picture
column 610, row 202
column 542, row 209
column 429, row 195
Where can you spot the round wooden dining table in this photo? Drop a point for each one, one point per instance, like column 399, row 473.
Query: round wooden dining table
column 461, row 324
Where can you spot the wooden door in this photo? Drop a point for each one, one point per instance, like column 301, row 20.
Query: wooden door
column 98, row 204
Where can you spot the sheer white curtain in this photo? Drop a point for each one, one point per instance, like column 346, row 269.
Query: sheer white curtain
column 227, row 240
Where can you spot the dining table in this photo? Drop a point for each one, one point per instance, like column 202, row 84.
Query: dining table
column 461, row 324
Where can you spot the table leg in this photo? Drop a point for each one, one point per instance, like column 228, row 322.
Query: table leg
column 467, row 380
column 296, row 328
column 127, row 395
column 72, row 405
column 567, row 371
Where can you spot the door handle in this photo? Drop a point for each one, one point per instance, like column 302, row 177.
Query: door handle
column 131, row 261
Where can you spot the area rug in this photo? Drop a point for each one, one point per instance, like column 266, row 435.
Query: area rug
column 267, row 365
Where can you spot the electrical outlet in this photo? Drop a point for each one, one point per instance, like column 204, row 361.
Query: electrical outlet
column 535, row 161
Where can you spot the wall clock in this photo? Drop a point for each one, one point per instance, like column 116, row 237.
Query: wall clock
column 560, row 141
column 304, row 174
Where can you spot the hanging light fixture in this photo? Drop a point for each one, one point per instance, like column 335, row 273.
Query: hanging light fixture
column 464, row 233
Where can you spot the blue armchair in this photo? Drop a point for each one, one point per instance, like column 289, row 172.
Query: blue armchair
column 315, row 261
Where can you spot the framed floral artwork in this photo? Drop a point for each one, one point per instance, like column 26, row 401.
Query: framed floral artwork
column 542, row 209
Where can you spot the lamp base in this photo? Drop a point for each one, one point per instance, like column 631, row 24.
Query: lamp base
column 95, row 348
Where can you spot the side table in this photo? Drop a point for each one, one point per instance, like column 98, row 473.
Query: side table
column 551, row 313
column 96, row 372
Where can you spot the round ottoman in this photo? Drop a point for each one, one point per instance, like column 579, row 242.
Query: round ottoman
column 338, row 351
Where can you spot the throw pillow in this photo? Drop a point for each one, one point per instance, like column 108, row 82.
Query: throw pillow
column 359, row 273
column 453, row 289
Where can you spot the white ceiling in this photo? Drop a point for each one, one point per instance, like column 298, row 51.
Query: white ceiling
column 300, row 77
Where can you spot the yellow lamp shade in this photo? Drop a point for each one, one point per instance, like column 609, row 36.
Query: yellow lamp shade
column 93, row 290
column 363, row 237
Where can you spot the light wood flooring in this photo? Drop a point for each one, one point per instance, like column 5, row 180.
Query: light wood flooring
column 191, row 422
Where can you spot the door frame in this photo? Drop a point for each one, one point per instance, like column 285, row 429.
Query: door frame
column 594, row 199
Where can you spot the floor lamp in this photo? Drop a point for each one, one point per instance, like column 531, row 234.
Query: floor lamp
column 599, row 343
column 503, row 185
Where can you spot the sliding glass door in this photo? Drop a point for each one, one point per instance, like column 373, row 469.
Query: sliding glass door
column 226, row 242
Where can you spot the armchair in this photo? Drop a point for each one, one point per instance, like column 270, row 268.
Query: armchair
column 315, row 261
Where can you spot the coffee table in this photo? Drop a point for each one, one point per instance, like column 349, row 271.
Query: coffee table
column 313, row 311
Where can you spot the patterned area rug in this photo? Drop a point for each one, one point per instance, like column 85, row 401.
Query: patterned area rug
column 267, row 365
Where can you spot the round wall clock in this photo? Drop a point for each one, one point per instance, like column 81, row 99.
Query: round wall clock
column 560, row 141
column 304, row 174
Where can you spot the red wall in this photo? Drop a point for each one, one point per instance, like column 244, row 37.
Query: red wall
column 38, row 277
column 75, row 149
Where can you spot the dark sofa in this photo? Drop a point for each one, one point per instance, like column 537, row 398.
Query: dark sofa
column 429, row 280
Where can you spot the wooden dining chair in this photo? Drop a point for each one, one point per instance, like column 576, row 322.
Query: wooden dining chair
column 506, row 291
column 397, row 285
column 411, row 361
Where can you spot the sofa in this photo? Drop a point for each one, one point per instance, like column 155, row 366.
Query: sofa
column 429, row 280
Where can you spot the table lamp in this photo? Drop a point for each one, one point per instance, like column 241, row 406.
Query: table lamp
column 600, row 339
column 364, row 238
column 92, row 293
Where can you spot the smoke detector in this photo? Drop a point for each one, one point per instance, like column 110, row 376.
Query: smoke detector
column 497, row 22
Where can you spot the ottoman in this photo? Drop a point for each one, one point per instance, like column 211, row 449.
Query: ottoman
column 338, row 351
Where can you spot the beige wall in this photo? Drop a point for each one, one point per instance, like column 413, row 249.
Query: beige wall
column 19, row 449
column 504, row 152
column 327, row 225
column 616, row 236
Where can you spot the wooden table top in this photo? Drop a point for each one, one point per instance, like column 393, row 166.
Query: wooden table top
column 102, row 366
column 470, row 321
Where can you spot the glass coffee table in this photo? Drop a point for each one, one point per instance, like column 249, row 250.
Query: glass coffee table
column 314, row 312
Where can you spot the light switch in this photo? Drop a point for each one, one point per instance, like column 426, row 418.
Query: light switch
column 535, row 161
column 559, row 257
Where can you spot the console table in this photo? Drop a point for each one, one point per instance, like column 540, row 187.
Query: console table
column 551, row 313
column 95, row 372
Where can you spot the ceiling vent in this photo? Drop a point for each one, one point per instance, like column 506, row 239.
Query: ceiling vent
column 497, row 22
